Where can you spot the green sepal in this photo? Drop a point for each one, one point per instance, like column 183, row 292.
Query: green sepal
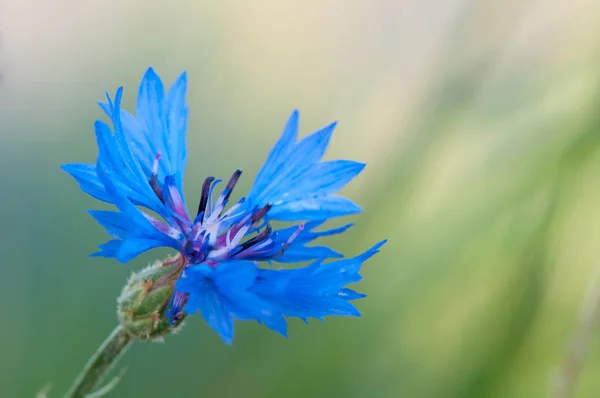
column 145, row 297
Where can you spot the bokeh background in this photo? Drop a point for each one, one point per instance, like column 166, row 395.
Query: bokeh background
column 479, row 121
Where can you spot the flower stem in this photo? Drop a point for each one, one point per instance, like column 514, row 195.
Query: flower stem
column 583, row 337
column 100, row 363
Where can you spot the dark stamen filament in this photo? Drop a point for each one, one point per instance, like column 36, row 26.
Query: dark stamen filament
column 255, row 240
column 204, row 195
column 231, row 184
column 261, row 213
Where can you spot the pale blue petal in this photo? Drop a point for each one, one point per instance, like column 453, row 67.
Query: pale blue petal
column 314, row 208
column 87, row 178
column 150, row 112
column 114, row 222
column 176, row 126
column 325, row 178
column 304, row 155
column 108, row 249
column 295, row 182
column 278, row 156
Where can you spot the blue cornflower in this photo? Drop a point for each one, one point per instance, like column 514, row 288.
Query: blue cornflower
column 140, row 166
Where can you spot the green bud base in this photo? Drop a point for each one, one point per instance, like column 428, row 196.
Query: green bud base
column 142, row 303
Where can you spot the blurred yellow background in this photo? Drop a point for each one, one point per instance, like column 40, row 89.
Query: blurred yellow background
column 479, row 121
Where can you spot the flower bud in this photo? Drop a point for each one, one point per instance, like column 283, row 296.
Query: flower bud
column 142, row 304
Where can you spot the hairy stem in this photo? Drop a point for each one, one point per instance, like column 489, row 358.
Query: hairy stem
column 100, row 363
column 584, row 335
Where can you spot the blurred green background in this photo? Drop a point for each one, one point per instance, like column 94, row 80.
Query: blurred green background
column 480, row 124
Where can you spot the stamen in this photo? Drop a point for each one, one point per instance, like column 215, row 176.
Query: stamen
column 196, row 251
column 228, row 238
column 239, row 236
column 265, row 244
column 295, row 234
column 228, row 214
column 163, row 227
column 219, row 206
column 154, row 179
column 155, row 164
column 291, row 239
column 174, row 203
column 261, row 213
column 231, row 184
column 205, row 194
column 209, row 206
column 256, row 239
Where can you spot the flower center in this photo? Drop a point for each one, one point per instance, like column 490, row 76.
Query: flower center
column 216, row 234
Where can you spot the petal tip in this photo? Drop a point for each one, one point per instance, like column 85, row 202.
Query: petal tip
column 150, row 72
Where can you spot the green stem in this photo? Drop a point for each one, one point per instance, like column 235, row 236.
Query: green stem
column 100, row 363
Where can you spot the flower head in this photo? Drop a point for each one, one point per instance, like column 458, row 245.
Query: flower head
column 140, row 170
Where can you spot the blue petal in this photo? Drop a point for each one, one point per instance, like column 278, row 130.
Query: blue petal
column 120, row 166
column 235, row 276
column 139, row 141
column 314, row 208
column 308, row 235
column 163, row 121
column 176, row 125
column 133, row 247
column 238, row 290
column 140, row 229
column 134, row 227
column 295, row 254
column 349, row 294
column 114, row 222
column 297, row 184
column 297, row 251
column 207, row 299
column 300, row 159
column 87, row 178
column 128, row 245
column 149, row 111
column 278, row 156
column 118, row 169
column 314, row 291
column 233, row 280
column 326, row 177
column 160, row 128
column 222, row 295
column 108, row 249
